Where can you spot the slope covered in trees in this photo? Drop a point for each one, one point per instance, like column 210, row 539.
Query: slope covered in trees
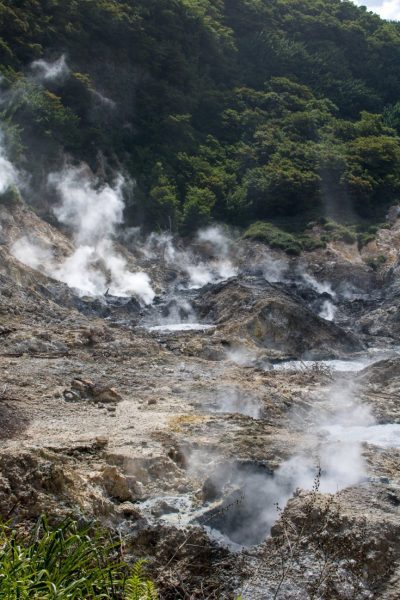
column 235, row 110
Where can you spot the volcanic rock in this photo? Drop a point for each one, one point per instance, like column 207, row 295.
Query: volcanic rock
column 252, row 308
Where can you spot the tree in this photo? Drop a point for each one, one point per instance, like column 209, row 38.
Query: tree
column 373, row 172
column 163, row 205
column 197, row 209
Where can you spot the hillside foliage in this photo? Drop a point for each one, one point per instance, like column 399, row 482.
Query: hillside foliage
column 231, row 110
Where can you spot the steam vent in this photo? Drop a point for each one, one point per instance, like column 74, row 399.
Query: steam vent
column 200, row 300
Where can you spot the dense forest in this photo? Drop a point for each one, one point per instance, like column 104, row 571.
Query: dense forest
column 229, row 110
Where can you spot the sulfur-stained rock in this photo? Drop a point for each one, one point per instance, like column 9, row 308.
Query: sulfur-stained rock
column 116, row 484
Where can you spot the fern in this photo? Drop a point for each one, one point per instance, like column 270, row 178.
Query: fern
column 137, row 587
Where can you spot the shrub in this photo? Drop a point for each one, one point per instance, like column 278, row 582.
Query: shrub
column 376, row 261
column 346, row 235
column 10, row 196
column 310, row 243
column 163, row 206
column 365, row 238
column 137, row 587
column 330, row 226
column 274, row 237
column 337, row 232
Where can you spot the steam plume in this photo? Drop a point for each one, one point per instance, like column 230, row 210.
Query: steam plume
column 328, row 311
column 92, row 212
column 334, row 448
column 322, row 287
column 50, row 71
column 8, row 173
column 198, row 268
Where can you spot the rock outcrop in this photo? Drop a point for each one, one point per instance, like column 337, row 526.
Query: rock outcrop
column 273, row 319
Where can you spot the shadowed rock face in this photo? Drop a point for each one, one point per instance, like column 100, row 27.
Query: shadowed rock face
column 274, row 319
column 383, row 372
column 12, row 422
column 244, row 490
column 384, row 318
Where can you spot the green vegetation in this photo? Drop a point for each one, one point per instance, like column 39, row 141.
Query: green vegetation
column 311, row 236
column 377, row 261
column 336, row 231
column 311, row 243
column 10, row 196
column 139, row 588
column 273, row 237
column 238, row 111
column 276, row 237
column 67, row 562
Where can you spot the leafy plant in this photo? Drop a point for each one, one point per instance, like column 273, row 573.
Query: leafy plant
column 137, row 587
column 67, row 562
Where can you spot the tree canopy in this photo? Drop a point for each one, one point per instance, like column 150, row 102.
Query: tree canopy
column 235, row 110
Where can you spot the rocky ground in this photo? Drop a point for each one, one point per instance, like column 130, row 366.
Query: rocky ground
column 184, row 441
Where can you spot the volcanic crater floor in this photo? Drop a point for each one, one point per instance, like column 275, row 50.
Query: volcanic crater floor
column 236, row 457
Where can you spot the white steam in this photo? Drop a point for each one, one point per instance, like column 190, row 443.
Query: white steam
column 92, row 212
column 221, row 265
column 335, row 445
column 50, row 71
column 328, row 311
column 384, row 436
column 8, row 173
column 107, row 102
column 174, row 327
column 209, row 263
column 241, row 356
column 275, row 269
column 246, row 358
column 58, row 70
column 178, row 315
column 321, row 287
column 233, row 400
column 336, row 451
column 31, row 253
column 217, row 238
column 202, row 274
column 81, row 271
